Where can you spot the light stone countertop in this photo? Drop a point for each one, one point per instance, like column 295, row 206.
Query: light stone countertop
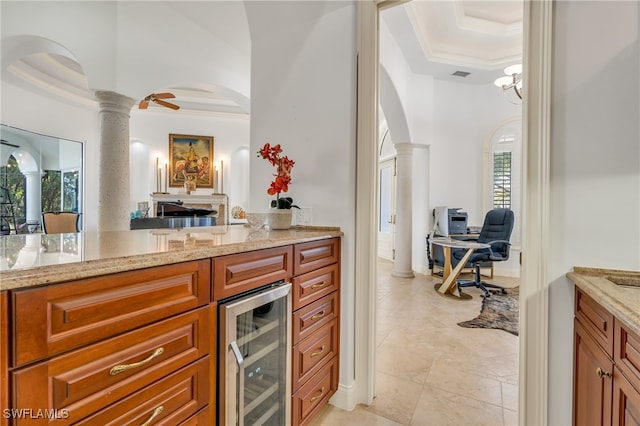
column 622, row 299
column 38, row 259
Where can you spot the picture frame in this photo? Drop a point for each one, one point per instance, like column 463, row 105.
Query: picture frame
column 143, row 206
column 191, row 158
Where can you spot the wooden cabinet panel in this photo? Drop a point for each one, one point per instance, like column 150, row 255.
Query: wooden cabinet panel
column 314, row 351
column 313, row 285
column 86, row 380
column 626, row 402
column 593, row 384
column 314, row 316
column 596, row 320
column 238, row 273
column 315, row 254
column 4, row 356
column 627, row 353
column 53, row 319
column 315, row 394
column 168, row 402
column 202, row 418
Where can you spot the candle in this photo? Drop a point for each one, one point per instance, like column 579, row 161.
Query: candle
column 221, row 177
column 215, row 178
column 157, row 175
column 166, row 177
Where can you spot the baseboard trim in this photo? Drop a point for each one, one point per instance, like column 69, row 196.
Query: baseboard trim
column 344, row 398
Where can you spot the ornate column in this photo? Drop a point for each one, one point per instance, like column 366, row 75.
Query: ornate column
column 114, row 192
column 34, row 198
column 404, row 176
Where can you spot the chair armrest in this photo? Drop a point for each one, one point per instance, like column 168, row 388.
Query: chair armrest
column 502, row 243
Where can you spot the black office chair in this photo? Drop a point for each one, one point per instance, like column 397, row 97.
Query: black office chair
column 496, row 231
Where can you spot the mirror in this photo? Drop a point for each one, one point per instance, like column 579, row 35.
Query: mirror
column 37, row 173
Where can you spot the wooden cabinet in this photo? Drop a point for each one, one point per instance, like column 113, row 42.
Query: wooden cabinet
column 316, row 327
column 606, row 367
column 4, row 356
column 117, row 349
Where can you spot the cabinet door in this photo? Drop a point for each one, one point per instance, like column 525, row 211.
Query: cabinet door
column 593, row 382
column 626, row 402
column 315, row 254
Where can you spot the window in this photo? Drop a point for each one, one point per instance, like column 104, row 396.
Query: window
column 502, row 180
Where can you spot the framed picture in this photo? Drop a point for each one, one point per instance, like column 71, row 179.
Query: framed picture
column 190, row 158
column 143, row 206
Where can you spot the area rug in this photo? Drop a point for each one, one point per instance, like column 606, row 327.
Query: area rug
column 499, row 311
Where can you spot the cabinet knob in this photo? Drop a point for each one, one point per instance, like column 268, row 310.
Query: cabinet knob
column 600, row 372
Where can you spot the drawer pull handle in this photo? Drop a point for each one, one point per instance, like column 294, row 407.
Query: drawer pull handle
column 124, row 367
column 315, row 354
column 155, row 414
column 600, row 372
column 317, row 397
column 318, row 285
column 318, row 315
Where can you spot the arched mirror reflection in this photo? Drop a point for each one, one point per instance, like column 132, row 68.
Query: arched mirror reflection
column 38, row 173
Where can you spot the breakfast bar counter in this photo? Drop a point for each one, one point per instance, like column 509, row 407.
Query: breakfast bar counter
column 37, row 259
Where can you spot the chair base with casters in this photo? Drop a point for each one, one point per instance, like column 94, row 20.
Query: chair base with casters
column 478, row 283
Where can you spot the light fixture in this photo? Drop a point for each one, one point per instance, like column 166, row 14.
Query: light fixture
column 512, row 80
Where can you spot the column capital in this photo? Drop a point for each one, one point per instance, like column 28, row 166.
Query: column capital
column 114, row 102
column 404, row 147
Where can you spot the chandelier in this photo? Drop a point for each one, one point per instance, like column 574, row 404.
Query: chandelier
column 512, row 79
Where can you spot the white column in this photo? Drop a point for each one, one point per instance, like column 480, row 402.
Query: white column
column 113, row 196
column 403, row 242
column 34, row 197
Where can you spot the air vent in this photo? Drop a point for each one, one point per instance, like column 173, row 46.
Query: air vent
column 461, row 73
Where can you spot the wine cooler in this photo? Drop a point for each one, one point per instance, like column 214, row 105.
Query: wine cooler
column 255, row 358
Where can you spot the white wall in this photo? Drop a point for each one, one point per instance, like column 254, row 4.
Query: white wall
column 595, row 164
column 152, row 131
column 303, row 91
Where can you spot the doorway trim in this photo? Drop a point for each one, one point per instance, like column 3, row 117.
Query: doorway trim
column 537, row 53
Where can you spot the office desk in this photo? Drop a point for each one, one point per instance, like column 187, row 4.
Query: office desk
column 450, row 275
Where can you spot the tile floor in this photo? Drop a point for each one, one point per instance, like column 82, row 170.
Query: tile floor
column 429, row 370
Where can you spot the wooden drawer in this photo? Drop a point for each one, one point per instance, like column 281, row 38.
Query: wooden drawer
column 313, row 352
column 314, row 316
column 315, row 254
column 51, row 320
column 626, row 402
column 312, row 286
column 626, row 354
column 202, row 418
column 4, row 356
column 596, row 320
column 237, row 273
column 315, row 394
column 172, row 400
column 88, row 379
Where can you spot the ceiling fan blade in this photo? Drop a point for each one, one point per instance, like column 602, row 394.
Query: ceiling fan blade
column 165, row 95
column 166, row 104
column 143, row 104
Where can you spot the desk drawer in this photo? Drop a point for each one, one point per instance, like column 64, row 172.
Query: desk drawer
column 314, row 316
column 51, row 320
column 168, row 402
column 89, row 379
column 315, row 254
column 312, row 286
column 314, row 351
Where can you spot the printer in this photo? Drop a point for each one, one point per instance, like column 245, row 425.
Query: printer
column 457, row 221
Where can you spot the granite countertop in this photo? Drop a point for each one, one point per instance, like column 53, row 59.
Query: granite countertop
column 36, row 259
column 617, row 291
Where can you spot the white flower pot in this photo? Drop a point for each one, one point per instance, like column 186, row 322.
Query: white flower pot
column 280, row 218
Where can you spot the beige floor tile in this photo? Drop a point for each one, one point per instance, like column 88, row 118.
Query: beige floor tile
column 441, row 408
column 429, row 370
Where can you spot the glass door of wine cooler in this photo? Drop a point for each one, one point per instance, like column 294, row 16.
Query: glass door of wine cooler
column 255, row 385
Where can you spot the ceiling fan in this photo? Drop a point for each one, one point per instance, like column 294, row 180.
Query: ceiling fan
column 158, row 99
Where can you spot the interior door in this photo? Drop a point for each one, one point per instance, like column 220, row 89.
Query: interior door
column 387, row 209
